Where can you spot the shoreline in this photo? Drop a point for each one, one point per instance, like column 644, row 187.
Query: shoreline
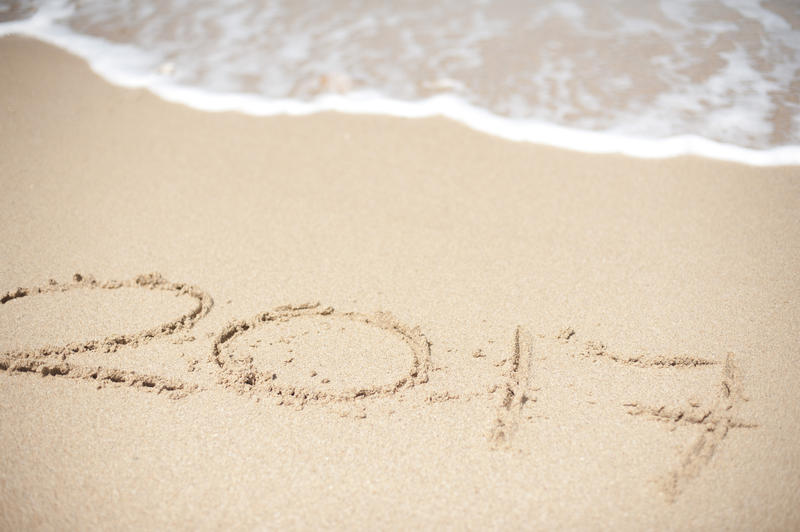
column 546, row 338
column 446, row 106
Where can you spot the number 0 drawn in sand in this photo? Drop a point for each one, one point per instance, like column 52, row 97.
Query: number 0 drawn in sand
column 286, row 354
column 240, row 370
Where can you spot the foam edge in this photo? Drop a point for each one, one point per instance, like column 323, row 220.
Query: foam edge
column 95, row 52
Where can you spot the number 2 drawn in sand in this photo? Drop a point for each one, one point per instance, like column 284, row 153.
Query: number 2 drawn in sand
column 240, row 373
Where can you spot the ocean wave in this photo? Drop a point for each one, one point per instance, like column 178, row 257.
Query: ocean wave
column 646, row 80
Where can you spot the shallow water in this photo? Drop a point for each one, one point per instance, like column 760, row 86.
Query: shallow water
column 638, row 72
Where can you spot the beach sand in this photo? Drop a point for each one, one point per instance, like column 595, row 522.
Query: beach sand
column 372, row 322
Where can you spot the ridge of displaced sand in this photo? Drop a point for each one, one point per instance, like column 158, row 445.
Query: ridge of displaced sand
column 151, row 281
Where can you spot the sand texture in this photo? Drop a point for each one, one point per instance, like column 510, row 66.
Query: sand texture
column 214, row 321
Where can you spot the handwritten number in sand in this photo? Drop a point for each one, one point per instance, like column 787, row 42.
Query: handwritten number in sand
column 237, row 371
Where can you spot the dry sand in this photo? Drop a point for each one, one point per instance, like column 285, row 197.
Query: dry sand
column 506, row 335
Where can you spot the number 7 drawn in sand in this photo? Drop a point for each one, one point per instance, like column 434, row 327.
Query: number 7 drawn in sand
column 714, row 423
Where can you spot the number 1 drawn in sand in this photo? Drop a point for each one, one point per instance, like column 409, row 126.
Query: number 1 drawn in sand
column 514, row 398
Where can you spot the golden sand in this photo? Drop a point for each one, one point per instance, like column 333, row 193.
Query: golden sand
column 372, row 322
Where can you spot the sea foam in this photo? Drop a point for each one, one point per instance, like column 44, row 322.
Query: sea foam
column 723, row 114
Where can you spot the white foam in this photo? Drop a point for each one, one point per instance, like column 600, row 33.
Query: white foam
column 131, row 67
